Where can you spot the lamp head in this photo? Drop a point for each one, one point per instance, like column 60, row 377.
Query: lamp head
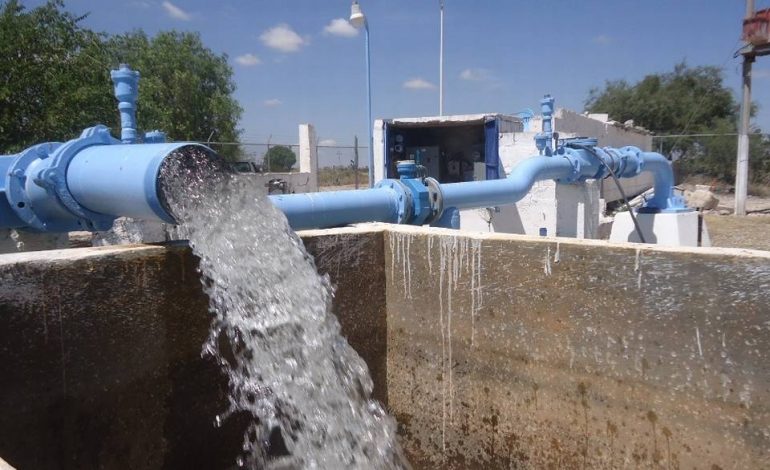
column 357, row 18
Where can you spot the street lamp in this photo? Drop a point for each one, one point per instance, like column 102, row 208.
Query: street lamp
column 358, row 20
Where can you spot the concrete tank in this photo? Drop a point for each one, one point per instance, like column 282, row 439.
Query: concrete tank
column 492, row 351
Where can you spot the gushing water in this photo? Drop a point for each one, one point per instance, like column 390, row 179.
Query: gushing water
column 273, row 332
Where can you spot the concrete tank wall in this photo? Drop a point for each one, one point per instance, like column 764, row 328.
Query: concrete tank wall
column 492, row 351
column 507, row 351
column 100, row 354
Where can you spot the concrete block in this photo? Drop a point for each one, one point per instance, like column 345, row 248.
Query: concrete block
column 308, row 158
column 665, row 228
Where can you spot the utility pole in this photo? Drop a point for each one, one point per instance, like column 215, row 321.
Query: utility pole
column 441, row 60
column 742, row 168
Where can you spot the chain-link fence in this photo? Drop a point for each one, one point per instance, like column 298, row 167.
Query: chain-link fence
column 328, row 156
column 710, row 158
column 335, row 163
column 706, row 158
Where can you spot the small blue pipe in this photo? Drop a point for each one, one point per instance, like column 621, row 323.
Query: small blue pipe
column 660, row 167
column 338, row 208
column 126, row 84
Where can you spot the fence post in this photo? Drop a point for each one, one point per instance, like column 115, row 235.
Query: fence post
column 355, row 159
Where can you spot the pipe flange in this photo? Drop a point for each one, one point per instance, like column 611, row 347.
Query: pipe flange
column 436, row 197
column 55, row 176
column 16, row 180
column 574, row 163
column 403, row 199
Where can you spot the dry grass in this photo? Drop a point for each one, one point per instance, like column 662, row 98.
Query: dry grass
column 739, row 232
column 342, row 176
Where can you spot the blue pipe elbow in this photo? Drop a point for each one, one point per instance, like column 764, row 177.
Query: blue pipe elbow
column 490, row 193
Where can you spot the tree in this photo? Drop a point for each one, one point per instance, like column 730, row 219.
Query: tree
column 689, row 100
column 55, row 80
column 279, row 158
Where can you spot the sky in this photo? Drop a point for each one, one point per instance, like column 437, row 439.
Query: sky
column 299, row 61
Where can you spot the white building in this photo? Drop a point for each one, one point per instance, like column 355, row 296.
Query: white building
column 487, row 146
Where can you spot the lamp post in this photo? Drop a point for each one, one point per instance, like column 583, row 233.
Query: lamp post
column 358, row 20
column 441, row 60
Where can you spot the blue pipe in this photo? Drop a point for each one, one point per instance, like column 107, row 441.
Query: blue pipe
column 84, row 184
column 126, row 84
column 489, row 193
column 87, row 182
column 338, row 208
column 663, row 198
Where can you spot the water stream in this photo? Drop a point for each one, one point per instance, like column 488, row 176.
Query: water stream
column 273, row 331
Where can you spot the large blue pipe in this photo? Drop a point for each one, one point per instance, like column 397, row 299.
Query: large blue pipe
column 87, row 182
column 84, row 184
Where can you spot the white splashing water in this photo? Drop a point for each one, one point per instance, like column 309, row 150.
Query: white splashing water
column 273, row 332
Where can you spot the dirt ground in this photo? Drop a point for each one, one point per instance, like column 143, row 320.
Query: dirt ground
column 751, row 231
column 739, row 232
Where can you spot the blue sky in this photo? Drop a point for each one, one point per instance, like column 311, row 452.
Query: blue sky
column 294, row 64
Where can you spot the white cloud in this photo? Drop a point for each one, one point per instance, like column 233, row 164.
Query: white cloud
column 418, row 84
column 602, row 39
column 175, row 12
column 272, row 103
column 328, row 142
column 475, row 75
column 283, row 38
column 248, row 60
column 340, row 27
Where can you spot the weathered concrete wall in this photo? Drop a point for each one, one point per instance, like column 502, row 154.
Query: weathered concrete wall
column 100, row 361
column 100, row 353
column 508, row 352
column 493, row 351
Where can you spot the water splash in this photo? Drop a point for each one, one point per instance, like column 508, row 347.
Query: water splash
column 273, row 333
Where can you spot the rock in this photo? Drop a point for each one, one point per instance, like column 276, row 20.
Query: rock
column 701, row 199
